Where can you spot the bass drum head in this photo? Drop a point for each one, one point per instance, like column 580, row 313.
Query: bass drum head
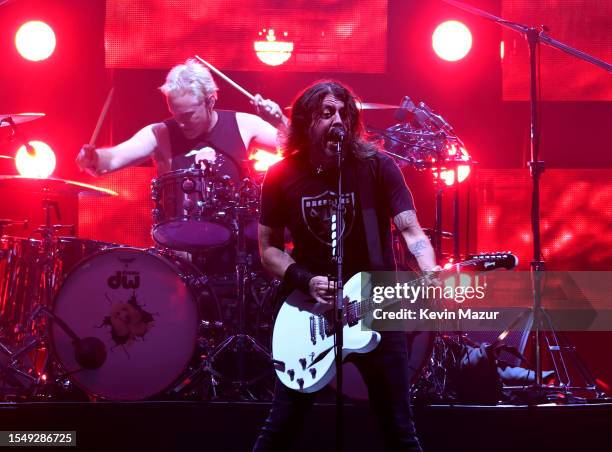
column 136, row 303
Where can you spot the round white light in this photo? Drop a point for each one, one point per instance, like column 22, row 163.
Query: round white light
column 451, row 40
column 40, row 164
column 35, row 40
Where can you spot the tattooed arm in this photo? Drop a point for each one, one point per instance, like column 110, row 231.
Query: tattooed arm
column 418, row 243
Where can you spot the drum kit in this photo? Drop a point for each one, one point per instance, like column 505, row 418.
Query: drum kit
column 121, row 323
column 115, row 322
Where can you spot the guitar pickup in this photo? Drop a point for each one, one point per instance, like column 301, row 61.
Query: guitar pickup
column 313, row 330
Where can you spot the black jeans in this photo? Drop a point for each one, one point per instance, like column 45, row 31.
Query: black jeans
column 385, row 372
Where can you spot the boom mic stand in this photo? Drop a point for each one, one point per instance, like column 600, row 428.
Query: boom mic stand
column 535, row 37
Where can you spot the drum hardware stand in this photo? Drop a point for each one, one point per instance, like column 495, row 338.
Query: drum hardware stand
column 538, row 316
column 10, row 372
column 243, row 282
column 38, row 336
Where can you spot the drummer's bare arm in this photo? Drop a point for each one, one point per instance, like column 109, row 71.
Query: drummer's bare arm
column 416, row 240
column 271, row 250
column 267, row 130
column 133, row 151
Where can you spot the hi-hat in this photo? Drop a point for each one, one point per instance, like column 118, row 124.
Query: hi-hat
column 18, row 118
column 52, row 186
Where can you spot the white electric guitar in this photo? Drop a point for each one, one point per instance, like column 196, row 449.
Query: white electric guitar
column 303, row 339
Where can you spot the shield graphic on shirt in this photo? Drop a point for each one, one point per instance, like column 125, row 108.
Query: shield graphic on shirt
column 318, row 212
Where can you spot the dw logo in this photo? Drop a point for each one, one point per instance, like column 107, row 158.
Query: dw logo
column 125, row 279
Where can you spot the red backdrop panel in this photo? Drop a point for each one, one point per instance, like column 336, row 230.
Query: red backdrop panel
column 582, row 24
column 576, row 216
column 124, row 219
column 328, row 35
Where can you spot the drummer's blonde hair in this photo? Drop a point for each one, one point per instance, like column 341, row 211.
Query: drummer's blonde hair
column 192, row 77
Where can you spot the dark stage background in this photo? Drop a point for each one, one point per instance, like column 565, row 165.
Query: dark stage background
column 482, row 96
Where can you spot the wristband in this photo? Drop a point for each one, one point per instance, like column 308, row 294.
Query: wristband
column 298, row 277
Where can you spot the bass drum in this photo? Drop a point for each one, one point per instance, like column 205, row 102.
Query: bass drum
column 143, row 306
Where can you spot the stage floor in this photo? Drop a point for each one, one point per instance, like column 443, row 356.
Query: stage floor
column 233, row 426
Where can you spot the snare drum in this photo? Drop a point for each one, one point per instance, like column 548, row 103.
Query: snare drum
column 192, row 209
column 143, row 306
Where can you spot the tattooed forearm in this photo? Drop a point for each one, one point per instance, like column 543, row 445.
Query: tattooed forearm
column 419, row 248
column 406, row 220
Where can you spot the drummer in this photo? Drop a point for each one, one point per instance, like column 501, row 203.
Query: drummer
column 195, row 131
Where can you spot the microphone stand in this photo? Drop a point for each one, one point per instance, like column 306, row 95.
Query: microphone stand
column 337, row 241
column 535, row 37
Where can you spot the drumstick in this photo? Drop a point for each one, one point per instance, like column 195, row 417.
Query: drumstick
column 94, row 135
column 226, row 78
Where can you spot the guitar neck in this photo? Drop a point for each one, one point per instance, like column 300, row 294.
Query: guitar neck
column 358, row 310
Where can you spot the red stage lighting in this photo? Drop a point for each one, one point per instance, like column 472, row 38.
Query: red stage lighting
column 39, row 164
column 264, row 159
column 451, row 40
column 35, row 40
column 463, row 171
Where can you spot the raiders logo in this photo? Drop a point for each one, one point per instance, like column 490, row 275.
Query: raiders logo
column 317, row 214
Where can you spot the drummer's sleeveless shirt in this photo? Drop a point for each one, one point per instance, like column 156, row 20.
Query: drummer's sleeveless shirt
column 224, row 138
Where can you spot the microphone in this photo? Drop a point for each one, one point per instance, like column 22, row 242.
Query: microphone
column 406, row 106
column 337, row 134
column 89, row 352
column 435, row 118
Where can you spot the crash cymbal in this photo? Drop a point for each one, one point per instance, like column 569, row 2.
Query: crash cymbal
column 18, row 118
column 52, row 186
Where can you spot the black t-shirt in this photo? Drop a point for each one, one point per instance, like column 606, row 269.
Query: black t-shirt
column 295, row 196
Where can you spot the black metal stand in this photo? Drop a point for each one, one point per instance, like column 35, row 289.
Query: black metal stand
column 241, row 340
column 535, row 37
column 338, row 256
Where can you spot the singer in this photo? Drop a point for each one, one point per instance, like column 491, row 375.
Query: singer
column 298, row 194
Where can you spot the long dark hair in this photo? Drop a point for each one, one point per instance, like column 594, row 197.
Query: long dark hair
column 308, row 103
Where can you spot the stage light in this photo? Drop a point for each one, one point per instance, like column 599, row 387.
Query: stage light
column 264, row 159
column 463, row 171
column 39, row 164
column 451, row 40
column 271, row 51
column 35, row 40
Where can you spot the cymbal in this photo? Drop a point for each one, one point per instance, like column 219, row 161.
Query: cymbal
column 52, row 186
column 6, row 157
column 19, row 118
column 375, row 106
column 369, row 106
